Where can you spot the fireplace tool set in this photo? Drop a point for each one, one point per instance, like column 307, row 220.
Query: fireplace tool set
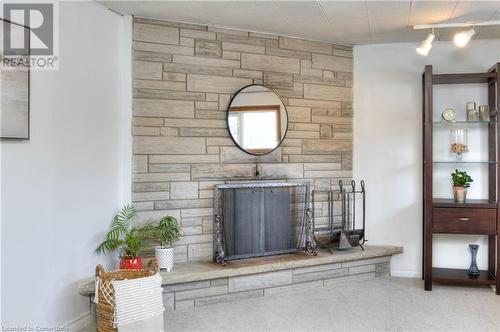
column 337, row 218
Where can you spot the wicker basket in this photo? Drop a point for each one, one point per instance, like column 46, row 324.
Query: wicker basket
column 105, row 306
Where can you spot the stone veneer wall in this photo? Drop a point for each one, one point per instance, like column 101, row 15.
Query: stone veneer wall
column 184, row 76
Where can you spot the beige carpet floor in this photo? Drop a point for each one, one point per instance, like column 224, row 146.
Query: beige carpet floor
column 387, row 304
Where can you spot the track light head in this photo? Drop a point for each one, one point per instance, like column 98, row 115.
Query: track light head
column 426, row 45
column 462, row 39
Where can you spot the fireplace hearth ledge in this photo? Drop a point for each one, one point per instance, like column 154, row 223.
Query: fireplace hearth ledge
column 201, row 283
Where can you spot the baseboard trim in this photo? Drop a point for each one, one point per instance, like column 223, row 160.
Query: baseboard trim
column 80, row 323
column 406, row 273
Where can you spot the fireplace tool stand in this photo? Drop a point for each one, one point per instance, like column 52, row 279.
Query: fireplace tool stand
column 336, row 221
column 322, row 222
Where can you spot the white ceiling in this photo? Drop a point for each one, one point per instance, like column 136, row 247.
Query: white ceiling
column 347, row 22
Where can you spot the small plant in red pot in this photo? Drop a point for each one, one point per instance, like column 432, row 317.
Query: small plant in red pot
column 124, row 238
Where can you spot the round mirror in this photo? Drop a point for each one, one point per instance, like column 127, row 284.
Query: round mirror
column 257, row 119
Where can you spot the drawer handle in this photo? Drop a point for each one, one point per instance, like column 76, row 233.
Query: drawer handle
column 463, row 219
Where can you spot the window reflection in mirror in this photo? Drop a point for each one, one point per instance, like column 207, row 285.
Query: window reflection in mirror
column 257, row 120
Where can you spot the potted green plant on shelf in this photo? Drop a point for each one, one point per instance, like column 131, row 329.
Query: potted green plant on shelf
column 164, row 233
column 125, row 238
column 461, row 181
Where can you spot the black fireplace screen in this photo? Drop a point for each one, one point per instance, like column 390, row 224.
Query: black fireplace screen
column 259, row 219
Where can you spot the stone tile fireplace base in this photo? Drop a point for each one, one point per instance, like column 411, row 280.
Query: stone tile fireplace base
column 197, row 284
column 233, row 288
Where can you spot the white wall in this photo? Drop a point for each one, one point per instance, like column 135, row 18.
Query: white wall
column 60, row 189
column 388, row 143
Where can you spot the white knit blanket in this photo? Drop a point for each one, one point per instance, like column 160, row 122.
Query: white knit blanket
column 138, row 300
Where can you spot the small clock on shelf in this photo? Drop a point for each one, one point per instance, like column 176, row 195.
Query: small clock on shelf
column 449, row 114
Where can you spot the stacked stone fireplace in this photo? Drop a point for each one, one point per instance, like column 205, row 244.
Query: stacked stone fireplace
column 184, row 77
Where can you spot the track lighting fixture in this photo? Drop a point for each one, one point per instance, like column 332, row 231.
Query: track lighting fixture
column 426, row 44
column 462, row 39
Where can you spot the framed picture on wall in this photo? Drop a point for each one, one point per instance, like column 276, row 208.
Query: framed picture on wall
column 14, row 83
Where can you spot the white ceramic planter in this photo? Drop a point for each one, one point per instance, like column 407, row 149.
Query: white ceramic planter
column 165, row 258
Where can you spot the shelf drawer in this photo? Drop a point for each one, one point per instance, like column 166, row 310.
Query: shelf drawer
column 464, row 221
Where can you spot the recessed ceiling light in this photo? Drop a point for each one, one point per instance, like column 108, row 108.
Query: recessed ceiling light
column 462, row 39
column 426, row 44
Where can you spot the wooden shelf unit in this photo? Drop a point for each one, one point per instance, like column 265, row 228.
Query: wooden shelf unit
column 471, row 203
column 460, row 277
column 444, row 216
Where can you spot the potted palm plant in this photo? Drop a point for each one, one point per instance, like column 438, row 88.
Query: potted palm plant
column 166, row 232
column 461, row 181
column 124, row 238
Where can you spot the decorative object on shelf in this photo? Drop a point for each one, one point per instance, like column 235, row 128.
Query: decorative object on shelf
column 484, row 113
column 116, row 290
column 459, row 142
column 165, row 233
column 473, row 270
column 257, row 120
column 449, row 114
column 461, row 181
column 128, row 240
column 472, row 112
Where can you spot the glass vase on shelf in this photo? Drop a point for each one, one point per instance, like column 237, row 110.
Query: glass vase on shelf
column 459, row 142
